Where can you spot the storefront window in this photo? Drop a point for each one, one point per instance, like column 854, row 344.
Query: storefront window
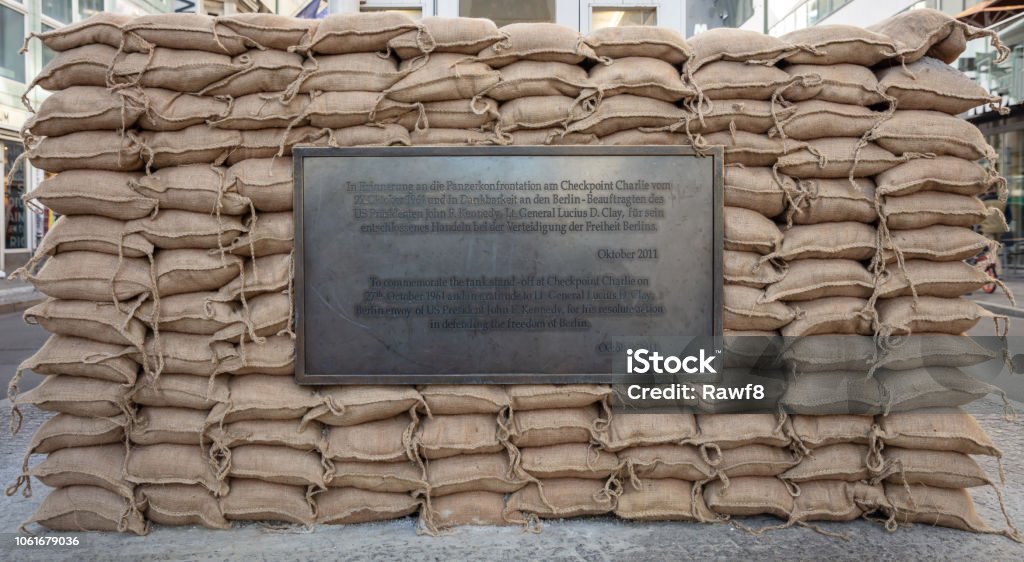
column 15, row 222
column 504, row 12
column 88, row 8
column 59, row 10
column 613, row 17
column 12, row 32
column 414, row 13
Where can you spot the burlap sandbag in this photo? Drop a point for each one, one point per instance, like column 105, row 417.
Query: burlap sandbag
column 178, row 230
column 183, row 71
column 93, row 276
column 88, row 150
column 569, row 460
column 272, row 31
column 197, row 144
column 87, row 233
column 181, row 505
column 98, row 466
column 750, row 231
column 842, row 461
column 385, row 441
column 627, row 111
column 735, row 45
column 84, row 65
column 836, row 200
column 753, row 460
column 478, row 113
column 88, row 508
column 756, row 189
column 401, row 476
column 443, row 76
column 80, row 357
column 937, row 243
column 926, row 350
column 193, row 313
column 66, row 431
column 905, row 315
column 743, row 309
column 928, row 208
column 93, row 192
column 540, row 112
column 755, row 495
column 815, row 279
column 551, row 136
column 179, row 426
column 268, row 314
column 831, row 353
column 262, row 111
column 448, row 436
column 932, row 132
column 449, row 399
column 349, row 73
column 282, row 465
column 540, row 428
column 466, row 508
column 942, row 173
column 838, row 157
column 283, row 433
column 753, row 116
column 188, row 354
column 181, row 391
column 548, row 396
column 185, row 31
column 840, row 44
column 725, row 80
column 77, row 396
column 939, row 429
column 930, row 387
column 102, row 27
column 661, row 500
column 728, row 431
column 364, row 32
column 841, row 83
column 262, row 72
column 548, row 42
column 748, row 270
column 941, row 507
column 370, row 135
column 750, row 149
column 271, row 233
column 197, row 188
column 173, row 464
column 931, row 84
column 815, row 119
column 264, row 397
column 167, row 110
column 267, row 182
column 637, row 137
column 833, row 315
column 821, row 431
column 926, row 31
column 940, row 469
column 337, row 110
column 537, row 78
column 82, row 108
column 937, row 279
column 268, row 274
column 256, row 500
column 340, row 506
column 560, row 498
column 489, row 472
column 467, row 36
column 617, row 42
column 353, row 405
column 845, row 240
column 451, row 137
column 275, row 143
column 639, row 429
column 640, row 76
column 835, row 500
column 681, row 462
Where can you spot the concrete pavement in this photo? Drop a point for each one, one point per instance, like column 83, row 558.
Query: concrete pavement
column 17, row 295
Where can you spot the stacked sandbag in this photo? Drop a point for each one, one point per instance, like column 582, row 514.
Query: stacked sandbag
column 469, row 462
column 372, row 470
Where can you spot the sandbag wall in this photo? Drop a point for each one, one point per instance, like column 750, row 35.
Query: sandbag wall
column 170, row 273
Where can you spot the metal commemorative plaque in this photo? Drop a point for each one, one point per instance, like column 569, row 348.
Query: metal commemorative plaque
column 499, row 264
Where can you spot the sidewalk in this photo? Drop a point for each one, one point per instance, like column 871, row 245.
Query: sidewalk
column 17, row 295
column 999, row 302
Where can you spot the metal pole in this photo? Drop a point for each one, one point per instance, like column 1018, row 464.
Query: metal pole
column 766, row 17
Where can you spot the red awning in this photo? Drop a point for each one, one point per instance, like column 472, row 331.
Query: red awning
column 990, row 12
